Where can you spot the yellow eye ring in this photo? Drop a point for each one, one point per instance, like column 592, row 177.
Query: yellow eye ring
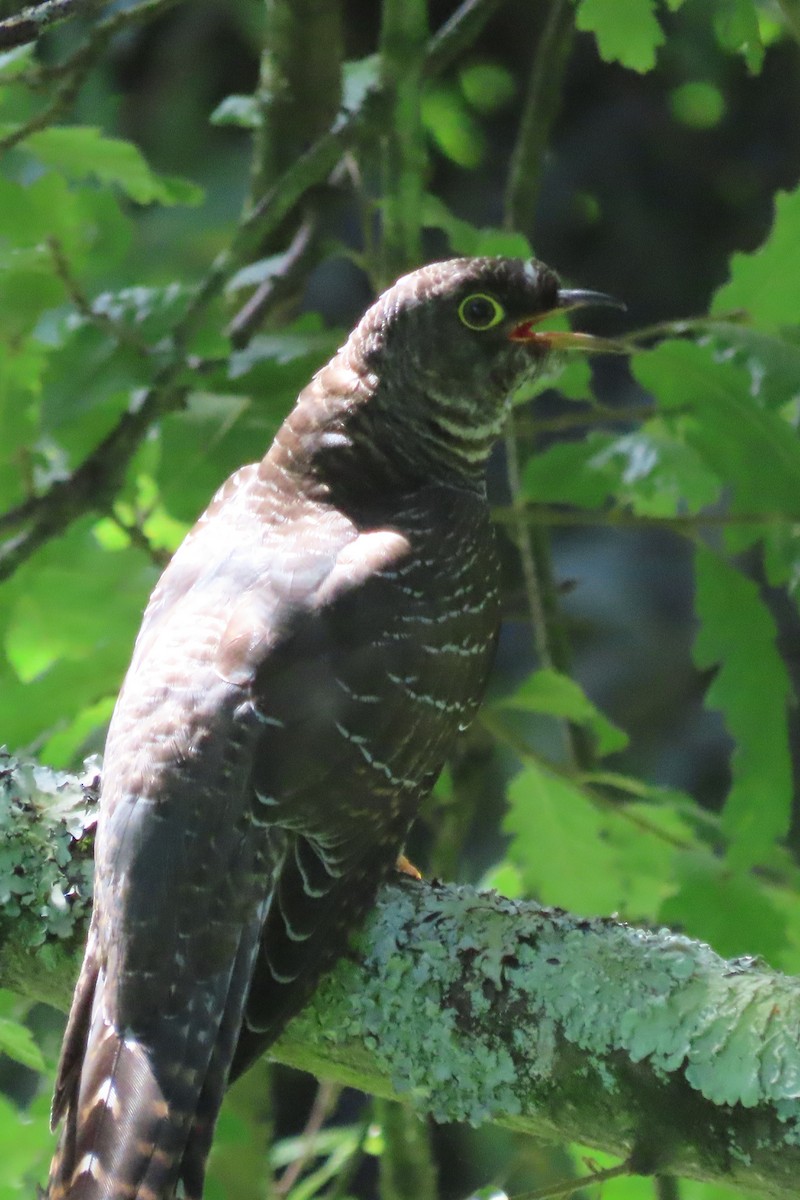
column 480, row 311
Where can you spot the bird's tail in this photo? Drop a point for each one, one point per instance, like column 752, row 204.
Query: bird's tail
column 121, row 1137
column 139, row 1118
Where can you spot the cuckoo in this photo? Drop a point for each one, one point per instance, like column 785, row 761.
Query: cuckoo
column 303, row 668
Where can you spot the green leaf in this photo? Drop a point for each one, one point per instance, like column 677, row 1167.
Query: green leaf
column 17, row 1042
column 627, row 31
column 737, row 30
column 81, row 151
column 207, row 440
column 282, row 348
column 238, row 110
column 21, row 368
column 26, row 1145
column 562, row 474
column 697, row 104
column 467, row 239
column 14, row 62
column 487, row 87
column 752, row 690
column 594, row 856
column 766, row 282
column 772, row 360
column 651, row 472
column 359, row 77
column 729, row 909
column 452, row 126
column 558, row 843
column 752, row 451
column 67, row 623
column 28, row 288
column 548, row 691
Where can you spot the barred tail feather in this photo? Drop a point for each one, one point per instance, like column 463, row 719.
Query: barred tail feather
column 122, row 1138
column 138, row 1118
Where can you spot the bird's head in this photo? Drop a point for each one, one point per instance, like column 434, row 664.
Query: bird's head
column 440, row 353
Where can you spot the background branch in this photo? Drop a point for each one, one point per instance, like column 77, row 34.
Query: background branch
column 31, row 23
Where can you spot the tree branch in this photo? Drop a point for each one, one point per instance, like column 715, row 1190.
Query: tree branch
column 31, row 23
column 476, row 1008
column 542, row 102
column 404, row 33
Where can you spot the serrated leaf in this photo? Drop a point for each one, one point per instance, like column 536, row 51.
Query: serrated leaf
column 255, row 273
column 549, row 692
column 752, row 451
column 558, row 843
column 766, row 282
column 751, row 688
column 81, row 151
column 772, row 361
column 628, row 33
column 561, row 474
column 17, row 1042
column 65, row 657
column 729, row 909
column 281, row 348
column 592, row 857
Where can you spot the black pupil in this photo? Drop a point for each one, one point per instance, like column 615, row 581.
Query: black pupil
column 478, row 311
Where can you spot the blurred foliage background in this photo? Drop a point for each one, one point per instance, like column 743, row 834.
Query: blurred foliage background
column 180, row 248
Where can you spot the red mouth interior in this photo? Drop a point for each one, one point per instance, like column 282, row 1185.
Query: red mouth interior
column 524, row 332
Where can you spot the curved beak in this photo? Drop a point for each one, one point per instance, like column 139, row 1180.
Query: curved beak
column 585, row 298
column 568, row 339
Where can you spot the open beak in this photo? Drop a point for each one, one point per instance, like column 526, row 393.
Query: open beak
column 568, row 339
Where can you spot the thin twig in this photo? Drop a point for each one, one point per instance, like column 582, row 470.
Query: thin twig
column 139, row 538
column 325, row 1101
column 346, row 1174
column 542, row 102
column 404, row 30
column 539, row 113
column 75, row 69
column 31, row 23
column 278, row 285
column 458, row 34
column 541, row 592
column 117, row 330
column 80, row 64
column 516, row 517
column 568, row 1187
column 587, row 418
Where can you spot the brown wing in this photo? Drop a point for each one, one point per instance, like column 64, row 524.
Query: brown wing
column 362, row 702
column 291, row 698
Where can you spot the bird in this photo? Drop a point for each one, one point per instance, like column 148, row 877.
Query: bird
column 304, row 666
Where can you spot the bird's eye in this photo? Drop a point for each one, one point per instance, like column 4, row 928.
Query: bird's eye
column 480, row 311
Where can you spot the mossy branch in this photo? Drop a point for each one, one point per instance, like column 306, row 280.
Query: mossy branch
column 472, row 1007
